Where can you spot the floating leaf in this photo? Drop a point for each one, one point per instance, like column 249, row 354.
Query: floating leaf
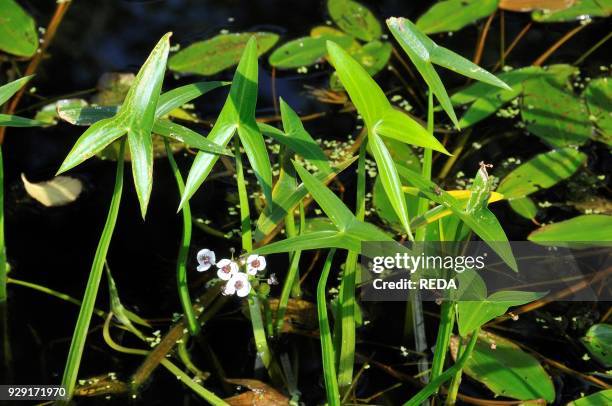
column 598, row 340
column 487, row 99
column 373, row 56
column 49, row 113
column 530, row 5
column 354, row 19
column 218, row 53
column 18, row 35
column 506, row 369
column 582, row 9
column 554, row 114
column 541, row 172
column 601, row 398
column 259, row 394
column 423, row 53
column 524, row 206
column 587, row 228
column 452, row 15
column 598, row 96
column 58, row 191
column 305, row 51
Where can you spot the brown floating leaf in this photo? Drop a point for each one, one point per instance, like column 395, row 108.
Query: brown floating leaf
column 530, row 5
column 260, row 394
column 300, row 313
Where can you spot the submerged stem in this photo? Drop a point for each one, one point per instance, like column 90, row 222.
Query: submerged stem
column 93, row 283
column 181, row 262
column 3, row 264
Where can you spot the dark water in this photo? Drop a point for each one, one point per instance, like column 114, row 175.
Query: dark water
column 55, row 247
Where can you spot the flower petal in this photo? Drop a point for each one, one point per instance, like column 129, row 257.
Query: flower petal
column 202, row 268
column 205, row 256
column 262, row 263
column 226, row 276
column 223, row 262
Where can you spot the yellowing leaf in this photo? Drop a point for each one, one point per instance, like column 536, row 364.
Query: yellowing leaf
column 58, row 191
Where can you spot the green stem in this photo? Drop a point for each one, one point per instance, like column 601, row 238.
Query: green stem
column 434, row 384
column 447, row 322
column 93, row 283
column 347, row 304
column 327, row 348
column 181, row 262
column 259, row 332
column 453, row 388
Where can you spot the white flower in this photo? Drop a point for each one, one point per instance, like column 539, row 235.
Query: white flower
column 206, row 259
column 255, row 263
column 239, row 284
column 227, row 268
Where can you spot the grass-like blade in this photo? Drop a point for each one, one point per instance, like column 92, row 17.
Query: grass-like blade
column 8, row 90
column 331, row 204
column 327, row 348
column 313, row 241
column 397, row 125
column 285, row 203
column 7, row 120
column 175, row 98
column 188, row 137
column 390, row 179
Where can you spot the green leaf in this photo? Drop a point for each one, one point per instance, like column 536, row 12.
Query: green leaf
column 365, row 94
column 400, row 126
column 598, row 95
column 385, row 211
column 138, row 111
column 331, row 204
column 285, row 203
column 238, row 113
column 188, row 137
column 313, row 241
column 482, row 222
column 373, row 56
column 354, row 19
column 423, row 53
column 218, row 53
column 86, row 115
column 603, row 397
column 390, row 179
column 487, row 99
column 586, row 228
column 299, row 141
column 305, row 51
column 8, row 90
column 524, row 206
column 16, row 121
column 579, row 11
column 93, row 140
column 554, row 114
column 508, row 371
column 475, row 313
column 598, row 340
column 18, row 34
column 541, row 172
column 327, row 348
column 453, row 15
column 177, row 97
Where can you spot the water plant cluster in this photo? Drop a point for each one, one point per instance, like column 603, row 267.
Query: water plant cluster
column 288, row 266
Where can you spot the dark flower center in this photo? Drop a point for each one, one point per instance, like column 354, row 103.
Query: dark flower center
column 226, row 269
column 238, row 285
column 255, row 263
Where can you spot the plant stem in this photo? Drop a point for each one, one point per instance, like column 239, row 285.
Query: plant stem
column 259, row 332
column 327, row 349
column 453, row 389
column 181, row 262
column 447, row 321
column 345, row 339
column 432, row 386
column 93, row 283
